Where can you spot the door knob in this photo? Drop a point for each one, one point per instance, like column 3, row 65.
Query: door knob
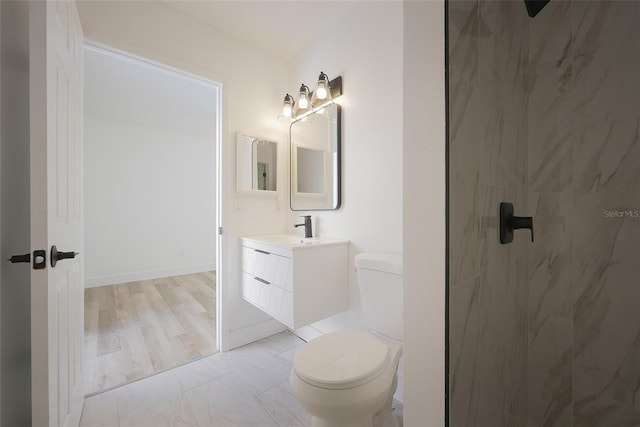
column 59, row 256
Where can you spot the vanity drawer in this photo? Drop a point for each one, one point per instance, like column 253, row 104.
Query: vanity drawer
column 248, row 260
column 263, row 293
column 259, row 263
column 265, row 266
column 273, row 268
column 269, row 297
column 275, row 302
column 284, row 273
column 296, row 283
column 249, row 288
column 257, row 291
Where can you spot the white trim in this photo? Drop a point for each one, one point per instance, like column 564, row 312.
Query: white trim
column 252, row 333
column 222, row 318
column 157, row 66
column 113, row 279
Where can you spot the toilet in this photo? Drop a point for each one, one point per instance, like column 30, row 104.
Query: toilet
column 348, row 378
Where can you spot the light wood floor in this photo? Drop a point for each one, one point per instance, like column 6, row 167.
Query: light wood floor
column 137, row 329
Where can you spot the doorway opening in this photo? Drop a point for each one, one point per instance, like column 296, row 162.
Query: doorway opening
column 152, row 204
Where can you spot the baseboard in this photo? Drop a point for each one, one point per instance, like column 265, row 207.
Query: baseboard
column 114, row 279
column 307, row 333
column 252, row 333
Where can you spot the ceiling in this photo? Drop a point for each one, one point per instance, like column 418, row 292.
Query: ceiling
column 282, row 28
column 121, row 90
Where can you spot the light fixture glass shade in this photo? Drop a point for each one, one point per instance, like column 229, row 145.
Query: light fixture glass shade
column 303, row 99
column 287, row 108
column 322, row 88
column 311, row 102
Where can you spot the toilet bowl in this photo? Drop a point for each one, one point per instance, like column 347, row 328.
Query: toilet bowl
column 348, row 378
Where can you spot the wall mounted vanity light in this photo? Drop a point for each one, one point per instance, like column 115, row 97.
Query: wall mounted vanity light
column 303, row 98
column 310, row 102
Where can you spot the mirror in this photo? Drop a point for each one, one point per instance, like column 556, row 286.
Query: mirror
column 257, row 163
column 315, row 160
column 310, row 170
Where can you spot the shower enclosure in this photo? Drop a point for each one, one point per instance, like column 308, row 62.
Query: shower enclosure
column 544, row 113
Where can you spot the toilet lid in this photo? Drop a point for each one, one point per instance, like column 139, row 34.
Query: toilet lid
column 341, row 359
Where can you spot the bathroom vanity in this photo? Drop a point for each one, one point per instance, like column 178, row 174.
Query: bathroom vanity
column 294, row 279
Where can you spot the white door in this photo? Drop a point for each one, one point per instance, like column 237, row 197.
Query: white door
column 57, row 293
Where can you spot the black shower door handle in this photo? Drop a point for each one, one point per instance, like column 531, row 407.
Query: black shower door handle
column 510, row 222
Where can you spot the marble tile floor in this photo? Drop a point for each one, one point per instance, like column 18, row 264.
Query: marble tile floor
column 247, row 387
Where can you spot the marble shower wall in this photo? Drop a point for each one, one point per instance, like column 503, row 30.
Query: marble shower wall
column 488, row 158
column 545, row 112
column 583, row 178
column 550, row 181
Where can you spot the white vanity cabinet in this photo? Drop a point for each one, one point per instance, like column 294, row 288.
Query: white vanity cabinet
column 295, row 280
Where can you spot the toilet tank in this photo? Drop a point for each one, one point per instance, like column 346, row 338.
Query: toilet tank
column 380, row 283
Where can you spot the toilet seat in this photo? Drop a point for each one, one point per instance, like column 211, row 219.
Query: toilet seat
column 341, row 360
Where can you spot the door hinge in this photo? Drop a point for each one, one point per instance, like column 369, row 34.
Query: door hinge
column 220, row 231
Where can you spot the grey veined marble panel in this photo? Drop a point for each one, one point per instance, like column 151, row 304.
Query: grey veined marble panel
column 549, row 370
column 606, row 154
column 549, row 268
column 606, row 233
column 592, row 410
column 545, row 113
column 607, row 329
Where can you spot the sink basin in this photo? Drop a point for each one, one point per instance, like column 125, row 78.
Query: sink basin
column 293, row 241
column 288, row 239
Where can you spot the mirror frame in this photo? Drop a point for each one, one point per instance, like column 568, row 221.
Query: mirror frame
column 308, row 197
column 239, row 166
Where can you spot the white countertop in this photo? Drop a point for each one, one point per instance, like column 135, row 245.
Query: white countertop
column 292, row 241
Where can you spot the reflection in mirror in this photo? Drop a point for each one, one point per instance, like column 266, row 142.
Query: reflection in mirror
column 257, row 163
column 315, row 160
column 310, row 170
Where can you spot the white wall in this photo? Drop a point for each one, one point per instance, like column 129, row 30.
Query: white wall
column 149, row 203
column 252, row 98
column 365, row 48
column 424, row 213
column 150, row 171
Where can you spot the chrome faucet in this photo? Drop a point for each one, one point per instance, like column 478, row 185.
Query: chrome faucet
column 307, row 226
